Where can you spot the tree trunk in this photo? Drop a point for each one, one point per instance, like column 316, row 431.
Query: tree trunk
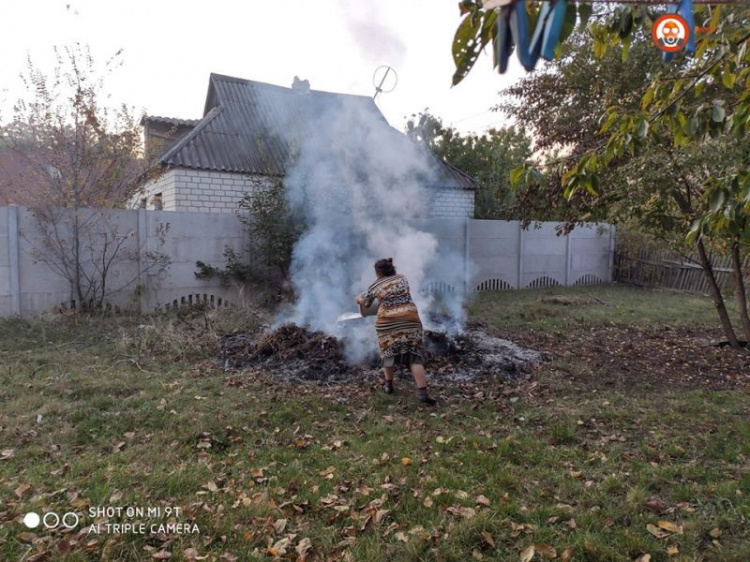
column 716, row 296
column 77, row 261
column 741, row 294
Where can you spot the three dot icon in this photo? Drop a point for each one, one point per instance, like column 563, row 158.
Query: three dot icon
column 51, row 520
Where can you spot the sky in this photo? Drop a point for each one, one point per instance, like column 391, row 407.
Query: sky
column 170, row 48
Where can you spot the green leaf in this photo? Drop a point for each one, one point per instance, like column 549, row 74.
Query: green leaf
column 600, row 48
column 466, row 47
column 728, row 79
column 648, row 97
column 695, row 126
column 626, row 23
column 718, row 114
column 609, row 122
column 584, row 13
column 683, row 121
column 516, row 175
column 718, row 198
column 695, row 231
column 643, row 129
column 715, row 15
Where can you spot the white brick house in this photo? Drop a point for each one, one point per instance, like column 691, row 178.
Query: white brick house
column 242, row 143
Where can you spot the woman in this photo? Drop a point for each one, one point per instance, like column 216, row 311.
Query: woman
column 398, row 326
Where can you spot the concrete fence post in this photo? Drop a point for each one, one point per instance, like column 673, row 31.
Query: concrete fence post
column 520, row 255
column 612, row 248
column 15, row 261
column 567, row 258
column 141, row 246
column 467, row 253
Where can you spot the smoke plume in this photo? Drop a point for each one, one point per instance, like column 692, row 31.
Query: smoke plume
column 363, row 191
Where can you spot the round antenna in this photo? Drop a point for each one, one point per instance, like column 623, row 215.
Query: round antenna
column 384, row 79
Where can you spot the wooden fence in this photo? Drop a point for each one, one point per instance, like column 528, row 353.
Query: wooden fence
column 670, row 270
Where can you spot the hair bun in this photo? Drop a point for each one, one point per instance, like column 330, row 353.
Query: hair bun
column 389, row 260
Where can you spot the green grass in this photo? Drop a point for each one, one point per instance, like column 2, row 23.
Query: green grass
column 620, row 304
column 102, row 412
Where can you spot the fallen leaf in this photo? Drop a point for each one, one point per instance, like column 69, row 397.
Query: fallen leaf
column 211, row 486
column 644, row 558
column 460, row 494
column 576, row 473
column 477, row 555
column 546, row 550
column 27, row 537
column 672, row 550
column 379, row 514
column 406, row 461
column 364, row 490
column 428, row 502
column 715, row 533
column 22, row 489
column 6, row 454
column 528, row 554
column 279, row 547
column 401, row 536
column 162, row 555
column 566, row 555
column 190, row 554
column 572, row 524
column 488, row 539
column 671, row 527
column 462, row 511
column 654, row 530
column 657, row 506
column 303, row 547
column 483, row 500
column 279, row 526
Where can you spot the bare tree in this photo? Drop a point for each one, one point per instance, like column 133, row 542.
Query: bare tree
column 77, row 154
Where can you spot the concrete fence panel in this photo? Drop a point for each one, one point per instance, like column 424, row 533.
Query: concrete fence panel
column 474, row 255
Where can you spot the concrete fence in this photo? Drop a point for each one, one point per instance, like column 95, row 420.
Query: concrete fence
column 495, row 255
column 500, row 255
column 29, row 285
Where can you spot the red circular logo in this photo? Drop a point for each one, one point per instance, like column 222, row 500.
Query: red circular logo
column 670, row 32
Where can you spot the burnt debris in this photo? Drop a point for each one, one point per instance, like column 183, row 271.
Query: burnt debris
column 292, row 352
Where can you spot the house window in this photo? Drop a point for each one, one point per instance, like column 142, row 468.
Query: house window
column 158, row 202
column 143, row 203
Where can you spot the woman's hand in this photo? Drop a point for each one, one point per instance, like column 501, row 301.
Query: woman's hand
column 358, row 299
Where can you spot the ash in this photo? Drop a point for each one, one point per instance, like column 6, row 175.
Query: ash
column 293, row 353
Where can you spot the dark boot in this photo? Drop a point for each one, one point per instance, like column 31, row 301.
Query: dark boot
column 388, row 387
column 424, row 398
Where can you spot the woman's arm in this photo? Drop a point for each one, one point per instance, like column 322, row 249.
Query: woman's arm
column 366, row 298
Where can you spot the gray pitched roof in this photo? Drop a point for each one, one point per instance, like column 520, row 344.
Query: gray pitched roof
column 251, row 127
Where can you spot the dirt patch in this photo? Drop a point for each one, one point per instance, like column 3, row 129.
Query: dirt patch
column 633, row 357
column 295, row 353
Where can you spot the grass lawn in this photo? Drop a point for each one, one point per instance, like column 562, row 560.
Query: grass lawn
column 133, row 412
